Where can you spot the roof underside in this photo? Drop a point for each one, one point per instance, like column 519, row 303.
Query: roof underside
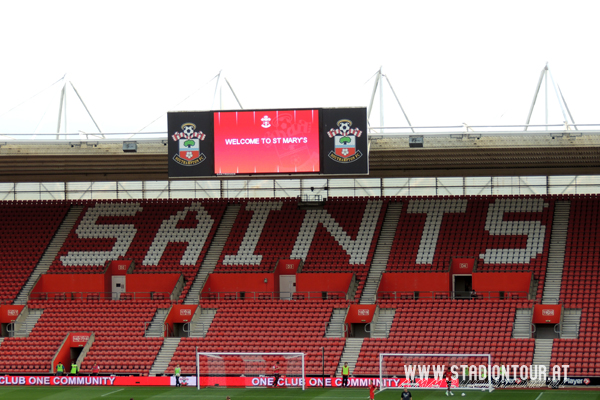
column 473, row 154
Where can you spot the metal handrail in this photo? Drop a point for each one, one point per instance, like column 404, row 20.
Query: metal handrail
column 335, row 326
column 165, row 328
column 23, row 327
column 200, row 331
column 424, row 294
column 267, row 295
column 168, row 331
column 90, row 296
column 10, row 329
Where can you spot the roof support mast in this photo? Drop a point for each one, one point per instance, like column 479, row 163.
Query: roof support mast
column 62, row 109
column 561, row 100
column 219, row 89
column 379, row 76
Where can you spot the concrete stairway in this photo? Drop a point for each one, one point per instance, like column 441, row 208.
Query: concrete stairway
column 24, row 329
column 50, row 253
column 382, row 253
column 522, row 326
column 350, row 355
column 335, row 327
column 570, row 324
column 164, row 356
column 543, row 352
column 382, row 323
column 556, row 252
column 201, row 323
column 213, row 254
column 156, row 327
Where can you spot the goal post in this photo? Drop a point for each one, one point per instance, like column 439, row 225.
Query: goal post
column 227, row 369
column 427, row 371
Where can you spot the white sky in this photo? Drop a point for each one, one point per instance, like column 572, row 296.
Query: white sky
column 449, row 61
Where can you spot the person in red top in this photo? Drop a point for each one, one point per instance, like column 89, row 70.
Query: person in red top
column 95, row 369
column 276, row 374
column 449, row 382
column 372, row 388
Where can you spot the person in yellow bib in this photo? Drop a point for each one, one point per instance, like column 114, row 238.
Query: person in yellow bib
column 345, row 375
column 177, row 375
column 60, row 369
column 73, row 368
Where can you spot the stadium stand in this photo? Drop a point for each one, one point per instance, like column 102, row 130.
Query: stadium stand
column 27, row 229
column 448, row 327
column 580, row 287
column 503, row 233
column 435, row 230
column 339, row 236
column 266, row 326
column 119, row 346
column 164, row 236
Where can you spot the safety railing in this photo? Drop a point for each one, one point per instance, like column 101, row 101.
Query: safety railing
column 440, row 295
column 92, row 296
column 187, row 329
column 23, row 330
column 367, row 327
column 558, row 329
column 242, row 295
column 149, row 329
column 10, row 329
column 338, row 329
column 198, row 329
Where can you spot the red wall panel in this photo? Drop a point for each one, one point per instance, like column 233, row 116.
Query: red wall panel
column 360, row 313
column 414, row 282
column 462, row 266
column 181, row 313
column 243, row 282
column 547, row 314
column 143, row 283
column 120, row 267
column 501, row 281
column 323, row 281
column 60, row 283
column 138, row 283
column 9, row 313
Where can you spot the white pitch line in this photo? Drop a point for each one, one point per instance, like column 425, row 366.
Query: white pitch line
column 119, row 391
column 540, row 395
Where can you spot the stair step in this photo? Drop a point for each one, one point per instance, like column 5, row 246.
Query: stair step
column 382, row 252
column 556, row 253
column 214, row 252
column 164, row 356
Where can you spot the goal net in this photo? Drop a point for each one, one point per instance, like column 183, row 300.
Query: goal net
column 428, row 371
column 250, row 370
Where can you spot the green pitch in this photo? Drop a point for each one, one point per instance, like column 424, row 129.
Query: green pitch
column 162, row 393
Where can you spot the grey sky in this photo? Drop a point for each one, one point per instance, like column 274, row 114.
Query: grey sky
column 449, row 61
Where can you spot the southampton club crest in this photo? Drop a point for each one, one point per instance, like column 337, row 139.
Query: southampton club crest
column 344, row 138
column 189, row 139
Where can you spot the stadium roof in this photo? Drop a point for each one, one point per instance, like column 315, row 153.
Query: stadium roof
column 562, row 151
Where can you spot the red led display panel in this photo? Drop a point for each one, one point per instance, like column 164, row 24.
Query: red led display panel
column 266, row 142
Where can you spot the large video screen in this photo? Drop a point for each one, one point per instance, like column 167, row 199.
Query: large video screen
column 266, row 142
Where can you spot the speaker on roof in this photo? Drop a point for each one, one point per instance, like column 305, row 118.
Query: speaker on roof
column 415, row 141
column 129, row 147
